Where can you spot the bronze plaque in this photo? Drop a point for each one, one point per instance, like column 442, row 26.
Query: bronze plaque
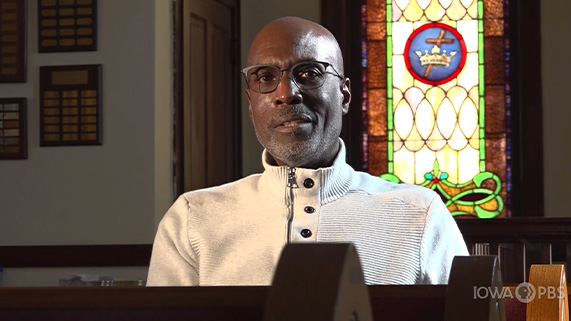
column 67, row 25
column 12, row 41
column 13, row 130
column 70, row 105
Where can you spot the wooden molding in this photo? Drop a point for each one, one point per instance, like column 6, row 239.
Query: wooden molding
column 75, row 255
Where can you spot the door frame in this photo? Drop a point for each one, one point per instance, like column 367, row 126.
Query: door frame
column 178, row 88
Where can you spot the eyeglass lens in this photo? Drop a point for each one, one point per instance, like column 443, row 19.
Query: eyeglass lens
column 306, row 75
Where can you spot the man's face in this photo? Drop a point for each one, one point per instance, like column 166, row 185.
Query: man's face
column 299, row 127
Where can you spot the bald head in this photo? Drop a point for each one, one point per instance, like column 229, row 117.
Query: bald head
column 300, row 38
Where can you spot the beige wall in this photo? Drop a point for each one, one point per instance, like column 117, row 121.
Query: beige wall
column 556, row 69
column 109, row 194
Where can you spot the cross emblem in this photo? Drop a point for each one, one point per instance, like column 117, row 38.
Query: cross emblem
column 438, row 42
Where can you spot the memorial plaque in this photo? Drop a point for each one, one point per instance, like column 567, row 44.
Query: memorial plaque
column 13, row 138
column 12, row 41
column 67, row 25
column 70, row 105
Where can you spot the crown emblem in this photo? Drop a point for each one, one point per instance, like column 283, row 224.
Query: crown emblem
column 435, row 58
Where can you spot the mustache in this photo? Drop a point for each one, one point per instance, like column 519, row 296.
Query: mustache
column 288, row 111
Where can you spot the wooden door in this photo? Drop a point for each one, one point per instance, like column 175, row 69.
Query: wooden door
column 208, row 103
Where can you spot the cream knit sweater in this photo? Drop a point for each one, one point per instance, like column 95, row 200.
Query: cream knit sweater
column 233, row 234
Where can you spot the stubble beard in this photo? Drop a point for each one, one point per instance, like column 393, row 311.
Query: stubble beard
column 294, row 154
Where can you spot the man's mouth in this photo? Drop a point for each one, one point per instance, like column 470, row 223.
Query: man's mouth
column 294, row 120
column 294, row 123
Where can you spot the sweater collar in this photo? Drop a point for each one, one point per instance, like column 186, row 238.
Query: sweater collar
column 334, row 181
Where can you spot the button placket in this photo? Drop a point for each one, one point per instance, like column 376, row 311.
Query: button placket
column 307, row 202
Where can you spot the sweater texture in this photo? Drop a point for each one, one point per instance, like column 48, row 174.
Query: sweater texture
column 233, row 234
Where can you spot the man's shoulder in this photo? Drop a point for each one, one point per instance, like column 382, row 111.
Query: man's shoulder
column 384, row 189
column 225, row 192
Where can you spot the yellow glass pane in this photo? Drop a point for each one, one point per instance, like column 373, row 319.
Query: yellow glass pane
column 468, row 118
column 467, row 3
column 474, row 95
column 397, row 96
column 444, row 3
column 468, row 77
column 473, row 10
column 413, row 11
column 398, row 144
column 404, row 165
column 402, row 4
column 401, row 32
column 414, row 142
column 457, row 95
column 423, row 3
column 436, row 142
column 423, row 164
column 457, row 141
column 435, row 95
column 448, row 161
column 414, row 96
column 404, row 119
column 435, row 11
column 469, row 160
column 446, row 118
column 475, row 142
column 424, row 119
column 402, row 79
column 456, row 11
column 469, row 31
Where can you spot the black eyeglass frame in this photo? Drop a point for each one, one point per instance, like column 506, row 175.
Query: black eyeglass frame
column 302, row 87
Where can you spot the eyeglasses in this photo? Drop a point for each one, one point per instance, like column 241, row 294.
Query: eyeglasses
column 306, row 75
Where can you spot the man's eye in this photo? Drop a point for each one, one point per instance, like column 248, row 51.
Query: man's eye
column 309, row 74
column 265, row 77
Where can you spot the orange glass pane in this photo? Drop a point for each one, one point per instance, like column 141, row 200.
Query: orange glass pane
column 495, row 113
column 494, row 61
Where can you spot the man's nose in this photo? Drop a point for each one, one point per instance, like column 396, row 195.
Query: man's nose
column 287, row 91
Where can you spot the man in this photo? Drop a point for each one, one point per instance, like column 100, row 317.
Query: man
column 233, row 234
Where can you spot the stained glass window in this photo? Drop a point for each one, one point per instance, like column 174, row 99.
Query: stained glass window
column 435, row 100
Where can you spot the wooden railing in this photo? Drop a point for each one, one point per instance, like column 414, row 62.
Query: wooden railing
column 519, row 242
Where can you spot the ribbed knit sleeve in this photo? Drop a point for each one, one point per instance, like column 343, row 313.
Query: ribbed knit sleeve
column 173, row 262
column 441, row 241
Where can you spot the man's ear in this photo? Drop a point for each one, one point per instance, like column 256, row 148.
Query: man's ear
column 346, row 90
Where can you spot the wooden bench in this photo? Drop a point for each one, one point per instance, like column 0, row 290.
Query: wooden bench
column 340, row 292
